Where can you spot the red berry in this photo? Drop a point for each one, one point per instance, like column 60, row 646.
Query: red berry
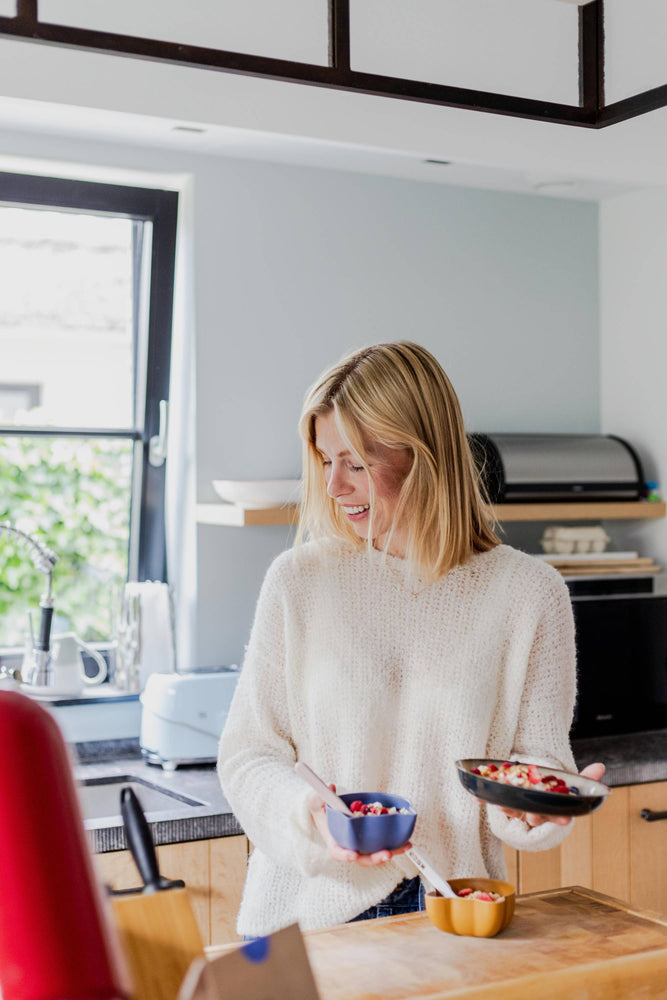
column 465, row 892
column 355, row 806
column 563, row 789
column 384, row 810
column 491, row 768
column 475, row 770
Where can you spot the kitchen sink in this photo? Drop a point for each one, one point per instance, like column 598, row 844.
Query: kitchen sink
column 100, row 797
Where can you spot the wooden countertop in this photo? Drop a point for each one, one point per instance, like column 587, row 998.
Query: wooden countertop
column 562, row 944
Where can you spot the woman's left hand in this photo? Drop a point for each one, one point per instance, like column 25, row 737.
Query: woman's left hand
column 338, row 853
column 594, row 771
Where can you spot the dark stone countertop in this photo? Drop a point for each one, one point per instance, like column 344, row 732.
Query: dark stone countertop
column 631, row 759
column 197, row 809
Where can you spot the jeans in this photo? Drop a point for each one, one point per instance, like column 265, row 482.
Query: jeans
column 407, row 897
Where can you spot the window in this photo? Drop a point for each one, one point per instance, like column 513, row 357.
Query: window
column 85, row 337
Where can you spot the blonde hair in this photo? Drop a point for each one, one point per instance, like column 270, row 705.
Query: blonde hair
column 399, row 395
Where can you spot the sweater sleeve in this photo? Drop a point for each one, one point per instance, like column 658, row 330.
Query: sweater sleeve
column 546, row 710
column 257, row 752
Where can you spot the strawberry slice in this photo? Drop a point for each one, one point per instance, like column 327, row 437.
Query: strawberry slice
column 533, row 775
column 484, row 896
column 465, row 892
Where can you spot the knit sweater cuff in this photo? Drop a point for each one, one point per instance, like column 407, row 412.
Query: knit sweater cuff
column 314, row 858
column 515, row 833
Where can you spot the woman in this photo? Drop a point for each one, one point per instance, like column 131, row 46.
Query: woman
column 400, row 637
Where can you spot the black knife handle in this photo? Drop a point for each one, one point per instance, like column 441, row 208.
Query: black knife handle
column 140, row 842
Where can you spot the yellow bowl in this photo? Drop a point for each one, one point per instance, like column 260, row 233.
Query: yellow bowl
column 472, row 917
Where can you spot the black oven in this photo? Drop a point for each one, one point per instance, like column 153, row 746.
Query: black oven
column 621, row 637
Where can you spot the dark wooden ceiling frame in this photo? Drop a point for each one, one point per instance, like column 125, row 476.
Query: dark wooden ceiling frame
column 591, row 112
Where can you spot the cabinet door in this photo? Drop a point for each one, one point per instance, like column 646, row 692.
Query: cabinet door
column 648, row 847
column 610, row 846
column 229, row 860
column 539, row 870
column 594, row 854
column 189, row 861
column 613, row 851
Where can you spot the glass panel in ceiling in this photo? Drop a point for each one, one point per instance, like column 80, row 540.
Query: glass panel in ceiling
column 635, row 47
column 517, row 47
column 281, row 29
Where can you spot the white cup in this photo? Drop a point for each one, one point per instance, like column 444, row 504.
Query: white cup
column 69, row 675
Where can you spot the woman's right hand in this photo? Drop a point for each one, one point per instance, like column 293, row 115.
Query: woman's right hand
column 338, row 853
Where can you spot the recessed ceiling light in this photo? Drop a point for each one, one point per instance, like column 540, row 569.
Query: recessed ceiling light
column 442, row 163
column 555, row 187
column 186, row 128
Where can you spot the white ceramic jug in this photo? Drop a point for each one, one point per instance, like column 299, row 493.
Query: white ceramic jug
column 69, row 675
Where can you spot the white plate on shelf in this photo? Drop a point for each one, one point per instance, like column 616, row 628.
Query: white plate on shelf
column 258, row 494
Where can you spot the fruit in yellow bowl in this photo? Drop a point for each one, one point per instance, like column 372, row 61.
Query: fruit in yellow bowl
column 469, row 916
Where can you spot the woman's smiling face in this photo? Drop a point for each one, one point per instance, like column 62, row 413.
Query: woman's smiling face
column 347, row 479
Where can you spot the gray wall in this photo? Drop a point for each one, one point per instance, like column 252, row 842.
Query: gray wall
column 290, row 267
column 309, row 263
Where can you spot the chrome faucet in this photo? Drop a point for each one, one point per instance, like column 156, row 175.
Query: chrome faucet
column 40, row 672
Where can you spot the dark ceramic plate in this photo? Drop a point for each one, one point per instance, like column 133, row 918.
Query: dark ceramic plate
column 591, row 793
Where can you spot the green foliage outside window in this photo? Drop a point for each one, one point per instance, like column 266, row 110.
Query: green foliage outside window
column 72, row 494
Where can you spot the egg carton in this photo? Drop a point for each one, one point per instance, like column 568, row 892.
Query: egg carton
column 565, row 541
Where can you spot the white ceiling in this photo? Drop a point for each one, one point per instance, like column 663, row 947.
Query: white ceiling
column 205, row 138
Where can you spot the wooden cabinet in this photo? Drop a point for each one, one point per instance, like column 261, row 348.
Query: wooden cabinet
column 614, row 851
column 228, row 863
column 648, row 857
column 213, row 871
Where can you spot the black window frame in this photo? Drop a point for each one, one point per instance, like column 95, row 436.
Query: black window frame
column 147, row 543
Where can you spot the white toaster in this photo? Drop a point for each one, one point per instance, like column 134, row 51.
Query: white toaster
column 183, row 715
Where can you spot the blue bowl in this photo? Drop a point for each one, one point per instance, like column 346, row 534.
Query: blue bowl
column 368, row 834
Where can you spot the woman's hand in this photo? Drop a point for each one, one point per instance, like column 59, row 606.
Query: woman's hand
column 594, row 771
column 338, row 853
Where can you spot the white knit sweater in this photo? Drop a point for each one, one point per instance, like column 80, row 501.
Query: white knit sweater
column 380, row 684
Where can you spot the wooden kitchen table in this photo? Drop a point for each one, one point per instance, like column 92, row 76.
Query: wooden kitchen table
column 569, row 943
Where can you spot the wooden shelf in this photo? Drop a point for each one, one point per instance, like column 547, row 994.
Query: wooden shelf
column 235, row 516
column 232, row 515
column 579, row 511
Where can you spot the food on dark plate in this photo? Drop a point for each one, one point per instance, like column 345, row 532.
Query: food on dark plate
column 530, row 788
column 525, row 776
